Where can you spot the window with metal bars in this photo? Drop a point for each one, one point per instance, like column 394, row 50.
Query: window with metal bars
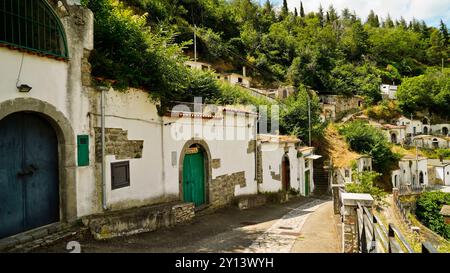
column 32, row 25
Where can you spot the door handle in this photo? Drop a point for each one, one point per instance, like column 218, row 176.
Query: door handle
column 29, row 170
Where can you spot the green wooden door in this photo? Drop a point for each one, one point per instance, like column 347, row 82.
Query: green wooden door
column 307, row 175
column 194, row 178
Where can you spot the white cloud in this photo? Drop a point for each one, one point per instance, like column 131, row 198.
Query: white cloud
column 429, row 10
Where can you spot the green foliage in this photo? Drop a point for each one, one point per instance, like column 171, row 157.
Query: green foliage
column 294, row 116
column 325, row 51
column 430, row 91
column 366, row 139
column 429, row 205
column 233, row 94
column 365, row 184
column 385, row 110
column 130, row 52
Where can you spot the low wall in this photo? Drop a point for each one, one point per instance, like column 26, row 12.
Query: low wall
column 139, row 220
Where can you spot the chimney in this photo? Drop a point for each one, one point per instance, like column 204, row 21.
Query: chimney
column 244, row 71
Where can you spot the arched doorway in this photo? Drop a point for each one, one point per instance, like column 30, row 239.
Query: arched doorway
column 421, row 178
column 396, row 181
column 444, row 131
column 435, row 143
column 29, row 175
column 286, row 173
column 425, row 130
column 194, row 174
column 394, row 138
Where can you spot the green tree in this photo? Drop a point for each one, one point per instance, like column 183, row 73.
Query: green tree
column 302, row 11
column 388, row 23
column 437, row 50
column 372, row 19
column 284, row 10
column 428, row 206
column 366, row 139
column 294, row 116
column 444, row 32
column 365, row 183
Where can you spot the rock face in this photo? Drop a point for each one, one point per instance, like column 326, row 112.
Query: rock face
column 139, row 220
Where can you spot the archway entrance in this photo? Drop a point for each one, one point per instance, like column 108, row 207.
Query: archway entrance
column 425, row 130
column 29, row 176
column 394, row 138
column 194, row 173
column 444, row 131
column 421, row 178
column 286, row 173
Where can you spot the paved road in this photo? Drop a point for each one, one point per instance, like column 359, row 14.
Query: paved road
column 271, row 228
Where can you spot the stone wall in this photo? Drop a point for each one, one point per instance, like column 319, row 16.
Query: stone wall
column 117, row 143
column 222, row 188
column 183, row 213
column 350, row 230
column 138, row 220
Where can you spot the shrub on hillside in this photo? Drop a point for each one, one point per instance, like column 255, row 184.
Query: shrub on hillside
column 429, row 205
column 366, row 139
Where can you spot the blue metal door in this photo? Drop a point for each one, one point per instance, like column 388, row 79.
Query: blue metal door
column 29, row 188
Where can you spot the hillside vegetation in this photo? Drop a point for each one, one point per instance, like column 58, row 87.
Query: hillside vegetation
column 144, row 44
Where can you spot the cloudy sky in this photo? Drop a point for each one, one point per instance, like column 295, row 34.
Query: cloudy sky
column 429, row 10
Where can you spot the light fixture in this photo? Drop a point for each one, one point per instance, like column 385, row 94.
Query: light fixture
column 24, row 88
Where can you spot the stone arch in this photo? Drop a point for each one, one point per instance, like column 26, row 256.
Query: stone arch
column 208, row 168
column 66, row 148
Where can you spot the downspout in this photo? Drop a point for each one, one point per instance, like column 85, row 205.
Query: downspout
column 103, row 149
column 163, row 174
column 256, row 152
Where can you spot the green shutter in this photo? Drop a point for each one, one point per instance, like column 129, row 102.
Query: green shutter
column 83, row 150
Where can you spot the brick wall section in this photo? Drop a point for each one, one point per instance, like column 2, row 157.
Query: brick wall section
column 222, row 188
column 117, row 143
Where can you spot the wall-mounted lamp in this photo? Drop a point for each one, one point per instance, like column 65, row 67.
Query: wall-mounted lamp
column 23, row 88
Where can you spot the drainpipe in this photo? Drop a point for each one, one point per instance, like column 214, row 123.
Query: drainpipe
column 256, row 152
column 103, row 150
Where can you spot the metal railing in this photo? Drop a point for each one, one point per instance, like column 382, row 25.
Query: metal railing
column 374, row 237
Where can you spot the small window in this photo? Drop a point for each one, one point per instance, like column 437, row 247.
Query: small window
column 120, row 175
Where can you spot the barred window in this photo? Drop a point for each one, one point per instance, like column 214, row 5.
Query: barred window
column 32, row 25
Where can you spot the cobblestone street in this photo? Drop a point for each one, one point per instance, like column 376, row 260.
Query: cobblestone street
column 273, row 228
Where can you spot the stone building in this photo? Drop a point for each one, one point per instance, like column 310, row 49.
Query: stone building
column 44, row 112
column 389, row 91
column 431, row 142
column 395, row 134
column 413, row 172
column 334, row 105
column 344, row 174
column 79, row 150
column 284, row 165
column 439, row 172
